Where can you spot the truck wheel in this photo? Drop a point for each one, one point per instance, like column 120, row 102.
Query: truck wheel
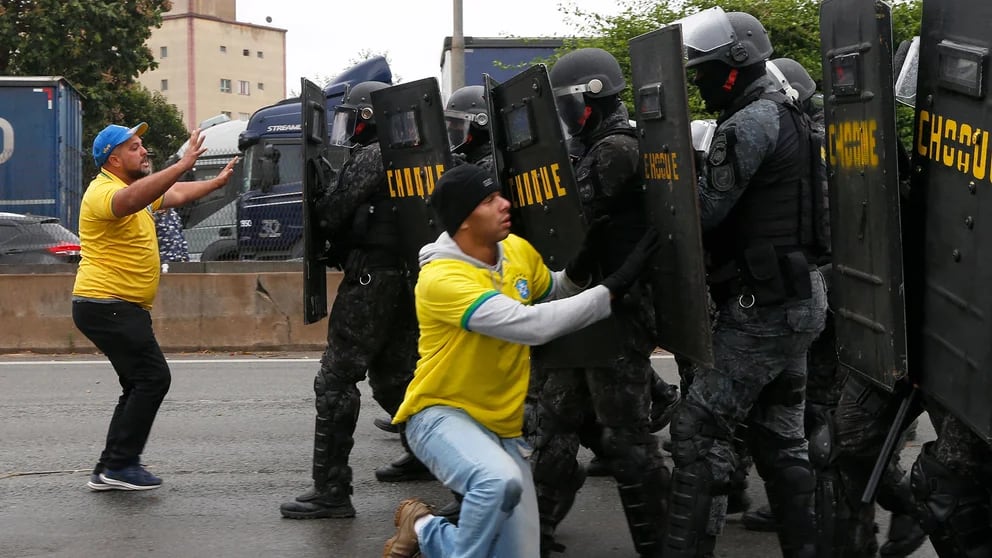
column 221, row 251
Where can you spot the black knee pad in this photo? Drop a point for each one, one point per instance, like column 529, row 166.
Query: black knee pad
column 693, row 430
column 335, row 401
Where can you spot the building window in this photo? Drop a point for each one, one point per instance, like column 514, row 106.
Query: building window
column 246, row 52
column 260, row 55
column 163, row 52
column 225, row 85
column 223, row 49
column 226, row 113
column 165, row 85
column 243, row 116
column 244, row 88
column 261, row 86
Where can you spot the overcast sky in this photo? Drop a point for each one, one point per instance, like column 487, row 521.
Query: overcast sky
column 325, row 38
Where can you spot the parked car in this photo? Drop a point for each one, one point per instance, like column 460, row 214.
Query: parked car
column 35, row 239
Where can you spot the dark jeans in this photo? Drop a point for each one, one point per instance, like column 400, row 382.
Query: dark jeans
column 123, row 332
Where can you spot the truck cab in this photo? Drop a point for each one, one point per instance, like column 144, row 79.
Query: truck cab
column 270, row 207
column 210, row 223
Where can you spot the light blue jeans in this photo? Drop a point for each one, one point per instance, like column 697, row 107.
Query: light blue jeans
column 499, row 514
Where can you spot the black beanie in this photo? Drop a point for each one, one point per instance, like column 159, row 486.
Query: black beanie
column 458, row 192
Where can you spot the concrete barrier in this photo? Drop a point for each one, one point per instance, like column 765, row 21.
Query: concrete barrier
column 221, row 306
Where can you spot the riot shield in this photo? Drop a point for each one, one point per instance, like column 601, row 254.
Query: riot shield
column 951, row 160
column 867, row 285
column 532, row 164
column 668, row 164
column 317, row 175
column 415, row 152
column 536, row 175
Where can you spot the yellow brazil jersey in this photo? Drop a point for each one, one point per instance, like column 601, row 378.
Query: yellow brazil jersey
column 485, row 376
column 119, row 255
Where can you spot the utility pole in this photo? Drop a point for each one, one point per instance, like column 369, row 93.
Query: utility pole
column 457, row 48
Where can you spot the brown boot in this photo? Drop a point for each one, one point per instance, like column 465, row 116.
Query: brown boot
column 404, row 543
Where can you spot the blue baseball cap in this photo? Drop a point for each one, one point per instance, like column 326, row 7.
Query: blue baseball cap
column 112, row 136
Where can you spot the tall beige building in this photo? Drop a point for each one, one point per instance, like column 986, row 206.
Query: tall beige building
column 210, row 64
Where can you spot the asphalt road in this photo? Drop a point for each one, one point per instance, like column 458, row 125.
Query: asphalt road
column 233, row 440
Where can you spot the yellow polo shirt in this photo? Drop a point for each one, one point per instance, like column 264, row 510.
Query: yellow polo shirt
column 485, row 376
column 119, row 254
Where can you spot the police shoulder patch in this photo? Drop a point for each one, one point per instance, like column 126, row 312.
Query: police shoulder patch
column 722, row 178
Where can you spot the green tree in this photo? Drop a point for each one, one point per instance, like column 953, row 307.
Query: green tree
column 99, row 46
column 793, row 26
column 166, row 130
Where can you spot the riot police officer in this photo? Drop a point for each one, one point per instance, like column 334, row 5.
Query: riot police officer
column 847, row 420
column 467, row 120
column 605, row 403
column 754, row 188
column 372, row 328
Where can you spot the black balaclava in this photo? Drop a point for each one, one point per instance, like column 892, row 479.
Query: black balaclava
column 719, row 84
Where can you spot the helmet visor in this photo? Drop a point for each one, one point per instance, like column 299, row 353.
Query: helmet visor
column 343, row 125
column 571, row 103
column 458, row 124
column 706, row 31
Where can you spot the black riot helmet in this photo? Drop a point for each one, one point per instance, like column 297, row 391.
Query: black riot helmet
column 736, row 39
column 354, row 119
column 466, row 117
column 725, row 51
column 797, row 77
column 579, row 78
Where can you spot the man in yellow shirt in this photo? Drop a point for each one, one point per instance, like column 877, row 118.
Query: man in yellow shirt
column 116, row 284
column 476, row 301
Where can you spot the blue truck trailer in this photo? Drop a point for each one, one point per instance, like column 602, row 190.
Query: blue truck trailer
column 500, row 57
column 270, row 209
column 41, row 155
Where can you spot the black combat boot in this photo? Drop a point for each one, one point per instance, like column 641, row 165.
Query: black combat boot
column 406, row 468
column 320, row 502
column 906, row 534
column 330, row 495
column 760, row 519
column 954, row 509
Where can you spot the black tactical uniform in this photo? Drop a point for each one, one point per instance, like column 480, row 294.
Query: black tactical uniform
column 604, row 403
column 755, row 192
column 372, row 328
column 846, row 421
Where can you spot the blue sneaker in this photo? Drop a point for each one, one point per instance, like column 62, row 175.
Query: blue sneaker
column 132, row 477
column 96, row 483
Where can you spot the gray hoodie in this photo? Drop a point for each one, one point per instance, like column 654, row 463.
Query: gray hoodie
column 567, row 307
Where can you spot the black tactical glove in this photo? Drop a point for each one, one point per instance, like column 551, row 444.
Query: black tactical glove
column 621, row 280
column 584, row 263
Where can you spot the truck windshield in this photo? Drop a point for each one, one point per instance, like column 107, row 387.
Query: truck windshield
column 269, row 164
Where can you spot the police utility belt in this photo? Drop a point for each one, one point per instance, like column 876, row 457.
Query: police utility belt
column 364, row 262
column 762, row 276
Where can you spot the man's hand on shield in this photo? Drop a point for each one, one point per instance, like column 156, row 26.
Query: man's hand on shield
column 580, row 269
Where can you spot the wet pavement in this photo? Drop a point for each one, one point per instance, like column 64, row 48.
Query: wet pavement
column 233, row 440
